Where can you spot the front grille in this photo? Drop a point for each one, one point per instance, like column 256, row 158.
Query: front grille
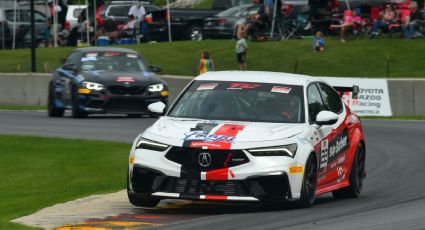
column 126, row 90
column 200, row 187
column 189, row 158
column 126, row 105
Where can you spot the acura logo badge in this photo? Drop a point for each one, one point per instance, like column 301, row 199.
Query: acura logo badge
column 204, row 159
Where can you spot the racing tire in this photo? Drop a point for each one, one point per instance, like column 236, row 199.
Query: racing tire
column 76, row 111
column 52, row 110
column 308, row 189
column 356, row 176
column 147, row 202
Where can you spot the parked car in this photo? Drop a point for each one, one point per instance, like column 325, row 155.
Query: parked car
column 22, row 24
column 186, row 24
column 72, row 15
column 105, row 80
column 226, row 4
column 223, row 25
column 250, row 137
column 119, row 10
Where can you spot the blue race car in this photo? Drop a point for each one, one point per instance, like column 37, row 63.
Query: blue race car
column 105, row 80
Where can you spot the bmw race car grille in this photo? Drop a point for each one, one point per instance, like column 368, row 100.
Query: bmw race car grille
column 124, row 90
column 200, row 187
column 191, row 158
column 126, row 105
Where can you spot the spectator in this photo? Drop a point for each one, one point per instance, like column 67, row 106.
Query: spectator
column 319, row 42
column 241, row 50
column 412, row 21
column 206, row 63
column 129, row 28
column 351, row 19
column 386, row 17
column 5, row 34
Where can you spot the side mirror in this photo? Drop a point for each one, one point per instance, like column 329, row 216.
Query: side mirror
column 326, row 118
column 157, row 108
column 155, row 69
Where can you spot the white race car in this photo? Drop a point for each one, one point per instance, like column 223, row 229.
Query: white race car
column 250, row 136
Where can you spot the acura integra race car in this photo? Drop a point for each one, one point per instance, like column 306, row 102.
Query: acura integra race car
column 250, row 136
column 105, row 80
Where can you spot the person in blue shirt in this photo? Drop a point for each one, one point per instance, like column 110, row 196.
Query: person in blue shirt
column 319, row 42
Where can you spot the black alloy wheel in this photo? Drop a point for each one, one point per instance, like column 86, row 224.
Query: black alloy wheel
column 308, row 190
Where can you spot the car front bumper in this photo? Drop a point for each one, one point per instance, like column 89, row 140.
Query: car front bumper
column 117, row 104
column 159, row 174
column 149, row 182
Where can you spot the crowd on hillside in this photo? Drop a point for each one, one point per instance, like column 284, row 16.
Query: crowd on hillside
column 404, row 17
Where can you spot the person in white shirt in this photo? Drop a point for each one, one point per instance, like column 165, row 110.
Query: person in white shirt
column 128, row 29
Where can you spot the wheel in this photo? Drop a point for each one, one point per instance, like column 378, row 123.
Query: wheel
column 356, row 176
column 308, row 189
column 76, row 111
column 139, row 201
column 52, row 110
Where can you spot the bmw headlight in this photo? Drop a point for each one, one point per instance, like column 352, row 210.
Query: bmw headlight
column 92, row 85
column 151, row 145
column 156, row 88
column 284, row 150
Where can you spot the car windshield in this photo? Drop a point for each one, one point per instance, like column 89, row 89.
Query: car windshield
column 241, row 101
column 112, row 61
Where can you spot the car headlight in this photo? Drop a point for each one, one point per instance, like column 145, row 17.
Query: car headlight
column 285, row 150
column 92, row 85
column 150, row 145
column 156, row 88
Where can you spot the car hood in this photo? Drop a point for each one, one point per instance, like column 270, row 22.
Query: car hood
column 177, row 131
column 114, row 77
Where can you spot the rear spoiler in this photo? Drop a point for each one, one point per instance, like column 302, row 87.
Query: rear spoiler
column 342, row 89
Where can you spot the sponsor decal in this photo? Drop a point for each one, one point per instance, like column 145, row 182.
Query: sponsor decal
column 303, row 140
column 125, row 79
column 111, row 54
column 240, row 86
column 204, row 136
column 131, row 55
column 281, row 89
column 91, row 55
column 296, row 169
column 209, row 86
column 85, row 59
column 341, row 174
column 331, row 150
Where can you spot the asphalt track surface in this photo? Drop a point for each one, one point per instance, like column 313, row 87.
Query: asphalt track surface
column 393, row 195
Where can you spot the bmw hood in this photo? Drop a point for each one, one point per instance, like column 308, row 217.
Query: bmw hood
column 114, row 77
column 206, row 133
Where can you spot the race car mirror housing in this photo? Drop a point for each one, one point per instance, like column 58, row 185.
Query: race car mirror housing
column 326, row 118
column 157, row 107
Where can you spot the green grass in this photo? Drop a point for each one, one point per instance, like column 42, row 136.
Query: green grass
column 357, row 58
column 22, row 107
column 39, row 172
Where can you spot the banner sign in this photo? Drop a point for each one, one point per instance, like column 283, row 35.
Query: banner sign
column 373, row 99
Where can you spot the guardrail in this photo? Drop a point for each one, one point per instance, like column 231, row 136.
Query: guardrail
column 406, row 95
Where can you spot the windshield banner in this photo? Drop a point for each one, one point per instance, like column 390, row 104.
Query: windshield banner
column 373, row 98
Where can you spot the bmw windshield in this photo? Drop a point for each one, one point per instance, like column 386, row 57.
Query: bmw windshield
column 241, row 101
column 112, row 61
